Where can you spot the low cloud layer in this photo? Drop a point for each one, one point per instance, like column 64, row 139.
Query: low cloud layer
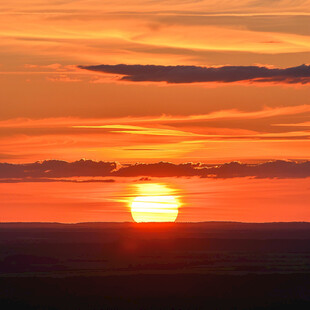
column 196, row 74
column 273, row 169
column 55, row 170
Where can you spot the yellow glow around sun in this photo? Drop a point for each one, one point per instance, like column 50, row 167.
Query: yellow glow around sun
column 154, row 203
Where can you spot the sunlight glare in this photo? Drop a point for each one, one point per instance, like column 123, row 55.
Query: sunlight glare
column 154, row 203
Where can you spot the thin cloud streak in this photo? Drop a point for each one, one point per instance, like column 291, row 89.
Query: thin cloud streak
column 138, row 130
column 304, row 124
column 96, row 123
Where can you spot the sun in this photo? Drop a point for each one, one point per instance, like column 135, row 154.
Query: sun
column 154, row 203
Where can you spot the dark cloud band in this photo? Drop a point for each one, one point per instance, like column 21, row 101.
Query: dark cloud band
column 53, row 169
column 195, row 74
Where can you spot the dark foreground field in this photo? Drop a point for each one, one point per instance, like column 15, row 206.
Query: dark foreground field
column 148, row 266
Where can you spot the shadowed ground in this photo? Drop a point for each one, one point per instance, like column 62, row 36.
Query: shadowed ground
column 155, row 266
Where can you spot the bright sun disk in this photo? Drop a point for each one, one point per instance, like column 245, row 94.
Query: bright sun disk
column 154, row 203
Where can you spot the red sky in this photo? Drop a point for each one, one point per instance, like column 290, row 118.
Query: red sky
column 227, row 84
column 242, row 199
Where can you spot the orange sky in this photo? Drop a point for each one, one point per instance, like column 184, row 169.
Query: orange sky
column 43, row 43
column 51, row 108
column 243, row 199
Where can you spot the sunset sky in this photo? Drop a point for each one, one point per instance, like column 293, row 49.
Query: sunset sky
column 178, row 81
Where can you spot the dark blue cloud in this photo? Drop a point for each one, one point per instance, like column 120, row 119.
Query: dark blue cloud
column 196, row 74
column 55, row 170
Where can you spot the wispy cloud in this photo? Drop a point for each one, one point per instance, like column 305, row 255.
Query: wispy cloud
column 63, row 78
column 224, row 133
column 138, row 130
column 303, row 124
column 267, row 112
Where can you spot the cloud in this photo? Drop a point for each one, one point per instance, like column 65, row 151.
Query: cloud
column 56, row 171
column 273, row 169
column 161, row 169
column 52, row 180
column 138, row 130
column 215, row 115
column 303, row 124
column 205, row 137
column 76, row 122
column 196, row 74
column 63, row 78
